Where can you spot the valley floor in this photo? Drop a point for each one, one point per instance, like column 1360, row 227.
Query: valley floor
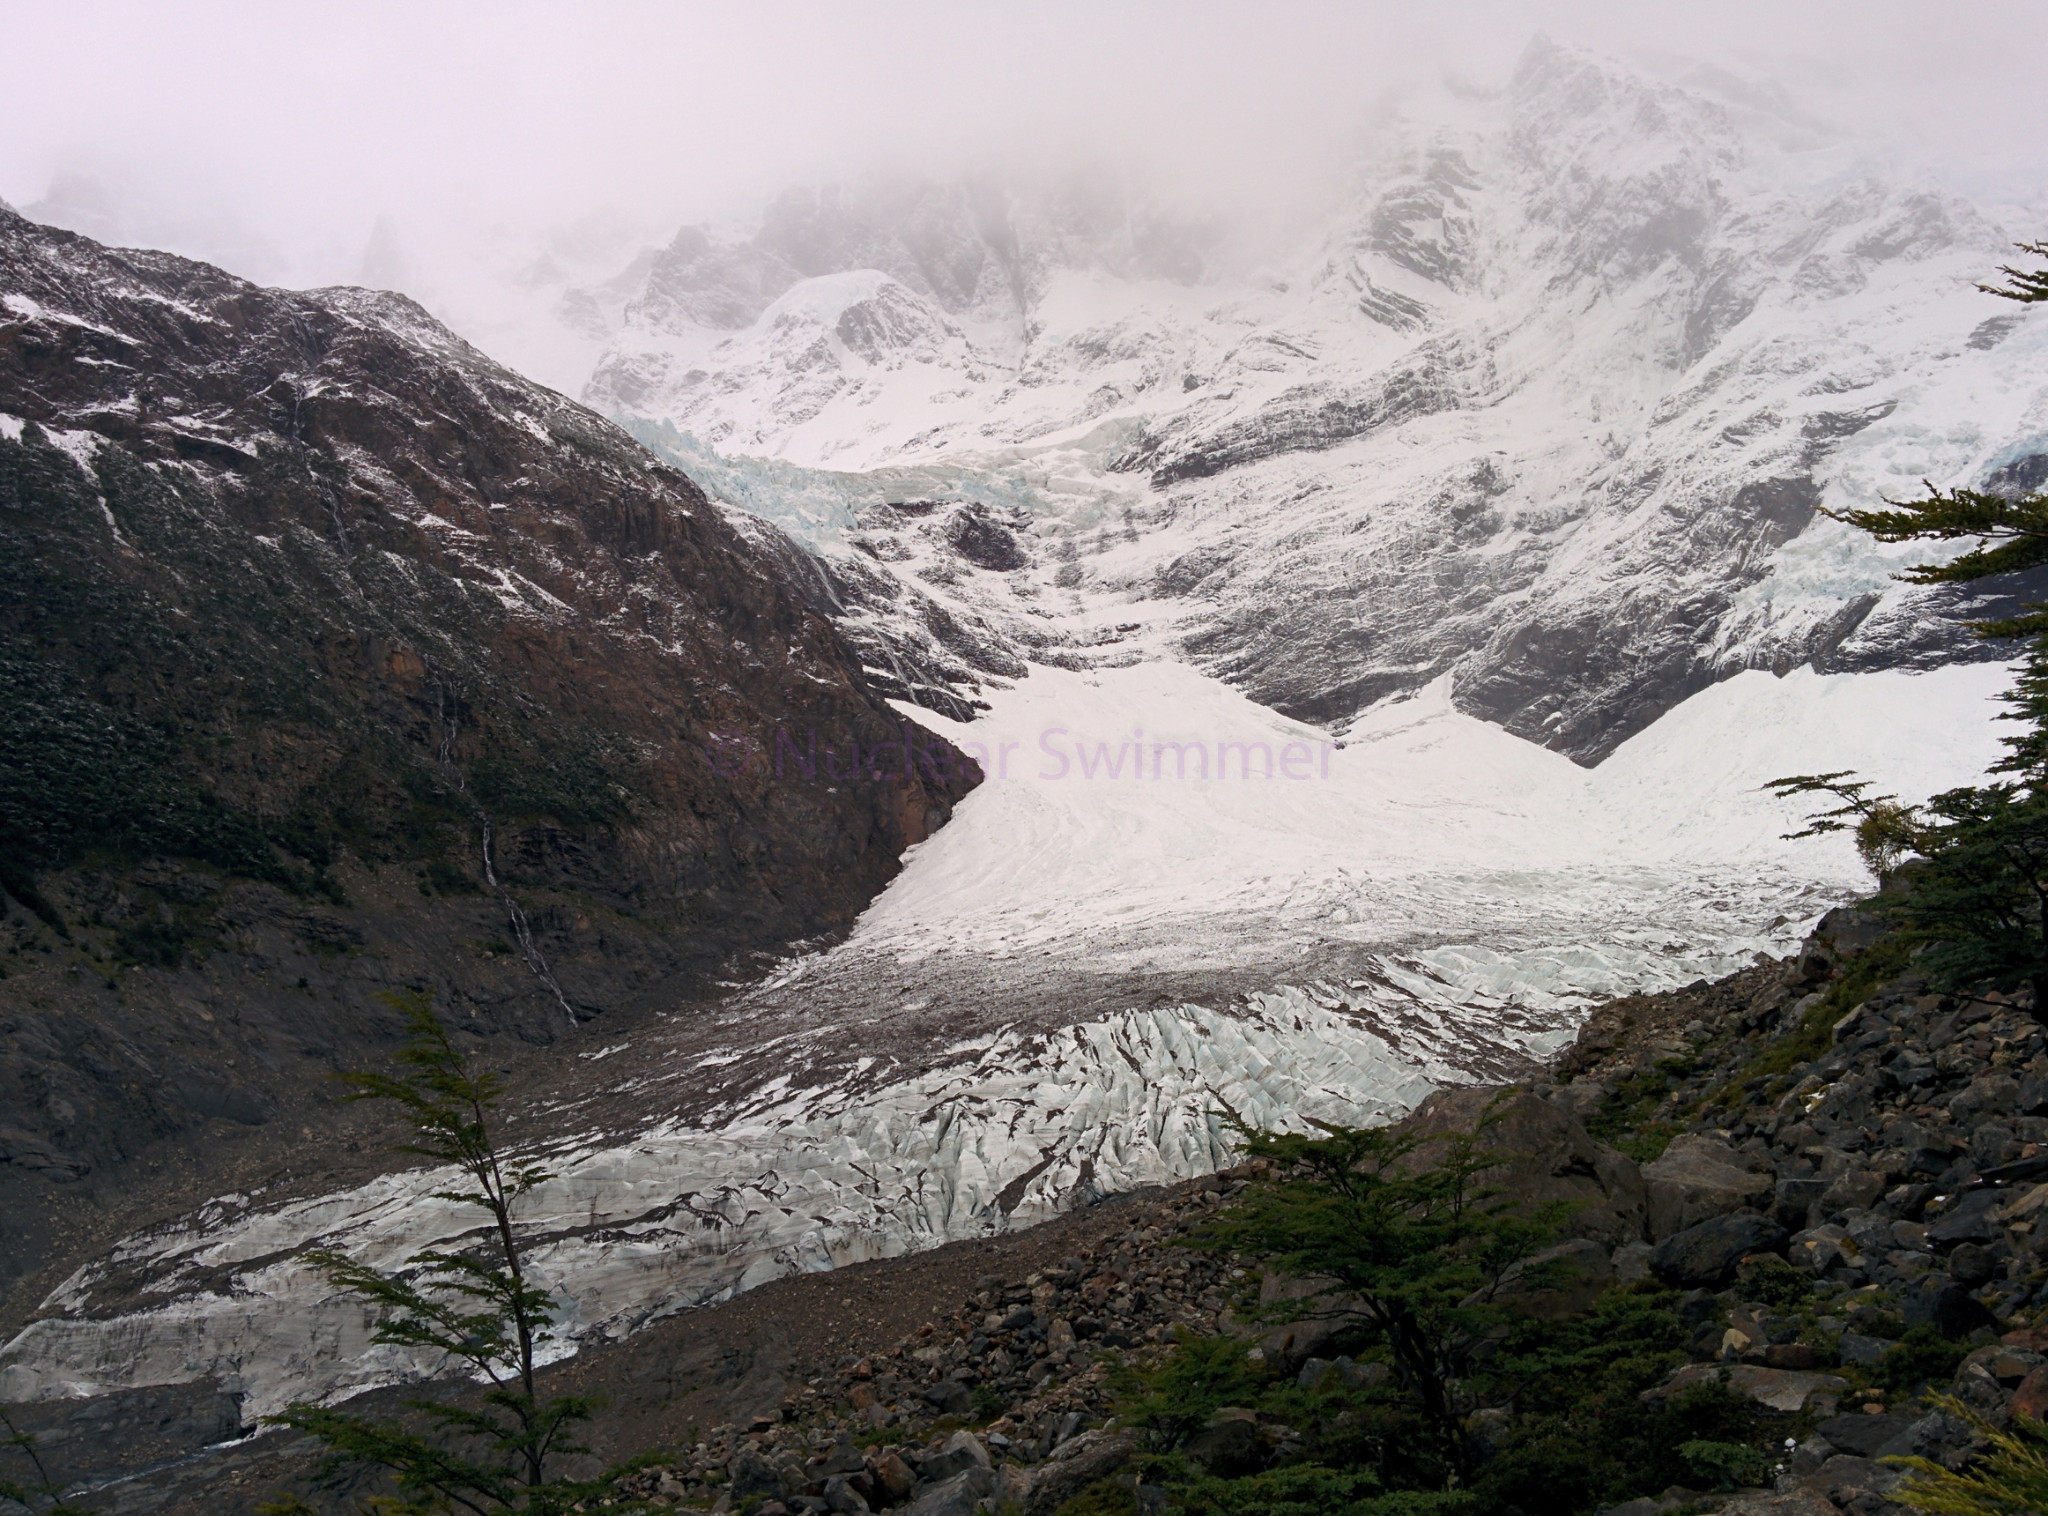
column 1065, row 989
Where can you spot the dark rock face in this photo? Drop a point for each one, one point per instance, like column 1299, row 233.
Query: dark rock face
column 1863, row 1436
column 114, row 1436
column 1707, row 1254
column 1949, row 1309
column 337, row 659
column 1310, row 418
column 1968, row 1220
column 986, row 542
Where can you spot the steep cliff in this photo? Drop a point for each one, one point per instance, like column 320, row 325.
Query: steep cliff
column 335, row 658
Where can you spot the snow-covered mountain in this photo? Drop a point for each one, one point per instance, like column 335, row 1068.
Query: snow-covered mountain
column 1550, row 404
column 1275, row 591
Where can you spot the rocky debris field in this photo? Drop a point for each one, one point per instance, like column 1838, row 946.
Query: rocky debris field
column 1003, row 1398
column 1838, row 1171
column 1829, row 1174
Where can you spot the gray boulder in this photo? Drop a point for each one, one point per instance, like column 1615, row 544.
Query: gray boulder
column 949, row 1397
column 1790, row 1503
column 1350, row 1373
column 1322, row 1308
column 1863, row 1435
column 956, row 1496
column 1227, row 1447
column 1795, row 1201
column 1698, row 1178
column 1549, row 1157
column 1076, row 1464
column 1786, row 1391
column 961, row 1452
column 1967, row 1218
column 751, row 1474
column 1706, row 1255
column 1559, row 1282
column 1862, row 1351
column 842, row 1496
column 1948, row 1308
column 1855, row 1190
column 1288, row 1347
column 1632, row 1262
column 845, row 1457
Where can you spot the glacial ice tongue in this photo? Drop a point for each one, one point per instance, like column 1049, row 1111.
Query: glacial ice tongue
column 1071, row 990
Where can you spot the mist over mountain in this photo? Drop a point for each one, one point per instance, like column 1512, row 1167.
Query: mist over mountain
column 1355, row 598
column 1549, row 402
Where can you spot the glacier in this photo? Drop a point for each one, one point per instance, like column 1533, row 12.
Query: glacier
column 1071, row 990
column 1488, row 519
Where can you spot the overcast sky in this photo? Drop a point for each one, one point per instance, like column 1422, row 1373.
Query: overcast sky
column 273, row 137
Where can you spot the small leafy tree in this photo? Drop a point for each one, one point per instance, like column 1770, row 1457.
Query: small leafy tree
column 1886, row 832
column 476, row 1307
column 1726, row 1465
column 1418, row 1250
column 1978, row 903
column 1175, row 1401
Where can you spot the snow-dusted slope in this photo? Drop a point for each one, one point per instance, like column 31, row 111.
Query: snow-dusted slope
column 1069, row 986
column 1521, row 455
column 1550, row 404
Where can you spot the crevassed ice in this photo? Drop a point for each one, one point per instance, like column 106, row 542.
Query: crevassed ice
column 1549, row 886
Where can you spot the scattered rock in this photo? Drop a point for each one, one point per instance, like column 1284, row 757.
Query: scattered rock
column 956, row 1496
column 1863, row 1435
column 2030, row 1399
column 1950, row 1309
column 1783, row 1390
column 1552, row 1158
column 1967, row 1219
column 949, row 1397
column 1792, row 1503
column 1076, row 1465
column 1228, row 1447
column 894, row 1477
column 1559, row 1282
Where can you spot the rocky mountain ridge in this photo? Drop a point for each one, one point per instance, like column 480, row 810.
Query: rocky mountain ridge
column 1551, row 404
column 342, row 661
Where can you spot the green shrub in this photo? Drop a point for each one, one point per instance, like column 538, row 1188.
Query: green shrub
column 1922, row 1356
column 1726, row 1465
column 1770, row 1280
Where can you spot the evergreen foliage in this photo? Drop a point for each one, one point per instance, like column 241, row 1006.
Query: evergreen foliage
column 2011, row 1479
column 1417, row 1251
column 2027, row 285
column 1976, row 900
column 476, row 1307
column 1418, row 1254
